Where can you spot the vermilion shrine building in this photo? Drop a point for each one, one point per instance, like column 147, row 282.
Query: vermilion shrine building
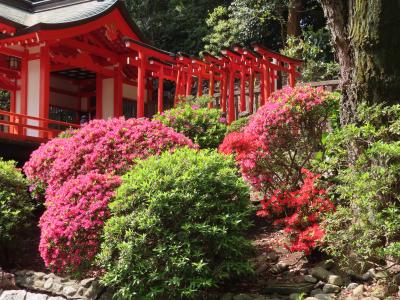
column 61, row 59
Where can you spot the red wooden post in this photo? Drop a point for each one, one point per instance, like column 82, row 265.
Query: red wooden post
column 177, row 86
column 224, row 90
column 211, row 88
column 44, row 92
column 141, row 84
column 251, row 91
column 24, row 85
column 292, row 75
column 160, row 90
column 199, row 86
column 242, row 90
column 99, row 96
column 231, row 100
column 263, row 82
column 189, row 83
column 118, row 92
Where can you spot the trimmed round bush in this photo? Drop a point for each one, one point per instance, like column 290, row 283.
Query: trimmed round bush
column 15, row 203
column 176, row 227
column 79, row 174
column 204, row 126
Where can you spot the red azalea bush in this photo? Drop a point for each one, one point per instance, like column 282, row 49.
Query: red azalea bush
column 69, row 170
column 274, row 149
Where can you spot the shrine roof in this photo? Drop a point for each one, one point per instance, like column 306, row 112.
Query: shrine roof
column 32, row 15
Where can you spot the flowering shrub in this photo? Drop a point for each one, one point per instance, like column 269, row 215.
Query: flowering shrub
column 104, row 146
column 305, row 207
column 280, row 140
column 204, row 126
column 73, row 222
column 70, row 170
column 177, row 227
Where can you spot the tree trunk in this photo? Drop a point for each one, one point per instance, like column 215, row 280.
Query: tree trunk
column 366, row 38
column 293, row 24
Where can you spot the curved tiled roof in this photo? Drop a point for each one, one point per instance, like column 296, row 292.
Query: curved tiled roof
column 30, row 15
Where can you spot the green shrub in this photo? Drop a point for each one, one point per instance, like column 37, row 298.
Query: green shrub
column 15, row 203
column 363, row 164
column 176, row 227
column 238, row 124
column 204, row 126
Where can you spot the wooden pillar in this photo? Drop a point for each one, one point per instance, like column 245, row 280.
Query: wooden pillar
column 141, row 84
column 224, row 90
column 189, row 84
column 44, row 92
column 251, row 91
column 118, row 92
column 199, row 86
column 177, row 86
column 242, row 90
column 231, row 100
column 263, row 83
column 99, row 96
column 211, row 88
column 160, row 96
column 24, row 84
column 292, row 75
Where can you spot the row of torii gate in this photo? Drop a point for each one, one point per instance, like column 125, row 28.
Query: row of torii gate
column 234, row 67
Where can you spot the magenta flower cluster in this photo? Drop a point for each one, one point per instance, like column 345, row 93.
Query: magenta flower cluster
column 79, row 174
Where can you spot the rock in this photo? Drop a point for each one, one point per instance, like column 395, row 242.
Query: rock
column 379, row 292
column 69, row 290
column 13, row 295
column 320, row 273
column 311, row 298
column 327, row 264
column 319, row 285
column 294, row 296
column 309, row 278
column 331, row 288
column 367, row 276
column 325, row 296
column 48, row 283
column 288, row 288
column 227, row 296
column 242, row 297
column 316, row 292
column 56, row 298
column 370, row 298
column 352, row 286
column 272, row 256
column 31, row 296
column 279, row 268
column 335, row 280
column 358, row 291
column 7, row 281
column 87, row 282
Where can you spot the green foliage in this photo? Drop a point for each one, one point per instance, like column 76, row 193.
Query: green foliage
column 363, row 164
column 177, row 226
column 315, row 49
column 4, row 100
column 204, row 126
column 244, row 21
column 15, row 203
column 174, row 25
column 238, row 124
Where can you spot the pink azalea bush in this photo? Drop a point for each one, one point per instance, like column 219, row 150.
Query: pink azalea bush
column 72, row 224
column 275, row 148
column 79, row 173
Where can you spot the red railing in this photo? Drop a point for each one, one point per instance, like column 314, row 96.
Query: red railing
column 27, row 128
